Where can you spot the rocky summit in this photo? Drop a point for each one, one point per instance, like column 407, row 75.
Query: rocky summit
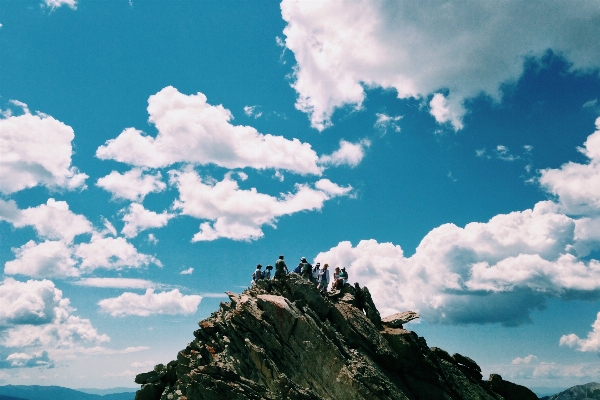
column 283, row 339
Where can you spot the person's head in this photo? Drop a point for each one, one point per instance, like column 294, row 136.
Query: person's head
column 303, row 259
column 269, row 267
column 337, row 269
column 344, row 269
column 325, row 266
column 258, row 266
column 281, row 257
column 318, row 264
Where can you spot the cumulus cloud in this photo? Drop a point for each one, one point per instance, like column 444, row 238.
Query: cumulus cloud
column 350, row 154
column 422, row 50
column 36, row 150
column 576, row 185
column 138, row 219
column 133, row 185
column 52, row 220
column 590, row 344
column 524, row 360
column 150, row 303
column 34, row 314
column 240, row 214
column 24, row 360
column 111, row 253
column 252, row 111
column 48, row 259
column 192, row 131
column 498, row 271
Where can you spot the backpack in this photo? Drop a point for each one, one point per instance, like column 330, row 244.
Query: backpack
column 306, row 267
column 298, row 269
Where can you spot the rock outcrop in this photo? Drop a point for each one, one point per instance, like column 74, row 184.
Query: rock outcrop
column 282, row 339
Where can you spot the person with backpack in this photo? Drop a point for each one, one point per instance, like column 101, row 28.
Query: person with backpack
column 267, row 272
column 315, row 273
column 280, row 268
column 257, row 274
column 323, row 278
column 306, row 269
column 344, row 275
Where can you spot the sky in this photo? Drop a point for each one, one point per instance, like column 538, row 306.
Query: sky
column 152, row 153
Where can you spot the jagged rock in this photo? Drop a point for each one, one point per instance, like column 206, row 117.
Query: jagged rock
column 283, row 339
column 510, row 390
column 397, row 320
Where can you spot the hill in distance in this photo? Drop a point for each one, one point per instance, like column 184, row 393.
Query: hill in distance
column 35, row 392
column 589, row 391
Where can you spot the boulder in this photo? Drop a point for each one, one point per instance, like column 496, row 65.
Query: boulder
column 397, row 320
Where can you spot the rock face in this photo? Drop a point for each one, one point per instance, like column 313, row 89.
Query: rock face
column 282, row 339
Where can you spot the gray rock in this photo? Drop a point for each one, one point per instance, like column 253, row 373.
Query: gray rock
column 283, row 339
column 397, row 320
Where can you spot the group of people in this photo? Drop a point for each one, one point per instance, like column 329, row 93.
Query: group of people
column 317, row 274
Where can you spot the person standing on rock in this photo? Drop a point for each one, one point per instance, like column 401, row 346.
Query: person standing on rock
column 324, row 278
column 337, row 281
column 280, row 268
column 306, row 269
column 315, row 273
column 344, row 275
column 257, row 275
column 267, row 272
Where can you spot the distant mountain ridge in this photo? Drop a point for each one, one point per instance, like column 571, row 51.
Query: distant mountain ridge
column 589, row 391
column 35, row 392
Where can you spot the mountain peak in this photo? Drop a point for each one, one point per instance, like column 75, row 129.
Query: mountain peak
column 284, row 339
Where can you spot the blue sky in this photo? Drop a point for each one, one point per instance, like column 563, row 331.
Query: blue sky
column 153, row 153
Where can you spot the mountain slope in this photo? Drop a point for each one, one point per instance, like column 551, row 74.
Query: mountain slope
column 589, row 391
column 283, row 339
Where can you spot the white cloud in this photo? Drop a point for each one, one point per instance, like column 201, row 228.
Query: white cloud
column 589, row 344
column 36, row 150
column 138, row 219
column 57, row 3
column 350, row 154
column 150, row 303
column 51, row 258
column 188, row 271
column 133, row 185
column 34, row 314
column 524, row 360
column 111, row 253
column 252, row 111
column 576, row 185
column 445, row 111
column 192, row 131
column 119, row 283
column 239, row 214
column 52, row 220
column 152, row 239
column 420, row 49
column 385, row 122
column 497, row 271
column 24, row 360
